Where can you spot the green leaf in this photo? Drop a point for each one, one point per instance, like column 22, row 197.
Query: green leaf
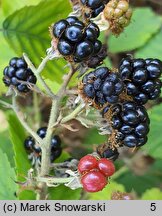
column 64, row 193
column 17, row 136
column 7, row 185
column 145, row 23
column 7, row 148
column 152, row 49
column 106, row 193
column 27, row 195
column 93, row 138
column 152, row 194
column 154, row 144
column 151, row 178
column 27, row 31
column 7, row 54
column 9, row 8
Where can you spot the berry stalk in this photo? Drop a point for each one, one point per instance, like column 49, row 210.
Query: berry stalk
column 55, row 110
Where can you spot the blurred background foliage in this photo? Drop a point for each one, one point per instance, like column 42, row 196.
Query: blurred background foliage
column 24, row 28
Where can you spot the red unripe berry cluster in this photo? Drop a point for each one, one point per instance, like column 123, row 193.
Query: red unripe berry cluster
column 94, row 173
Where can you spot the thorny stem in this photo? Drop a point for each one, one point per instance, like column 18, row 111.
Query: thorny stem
column 46, row 147
column 55, row 110
column 37, row 73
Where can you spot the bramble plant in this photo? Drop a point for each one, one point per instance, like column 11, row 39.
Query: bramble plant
column 115, row 97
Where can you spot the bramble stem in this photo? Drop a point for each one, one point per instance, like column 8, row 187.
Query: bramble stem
column 73, row 114
column 37, row 72
column 55, row 110
column 37, row 115
column 5, row 104
column 51, row 180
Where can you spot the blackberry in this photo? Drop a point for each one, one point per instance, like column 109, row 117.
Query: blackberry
column 141, row 78
column 83, row 50
column 65, row 48
column 29, row 144
column 42, row 132
column 130, row 123
column 97, row 60
column 74, row 33
column 103, row 86
column 59, row 28
column 17, row 73
column 55, row 143
column 75, row 40
column 55, row 154
column 92, row 8
column 35, row 149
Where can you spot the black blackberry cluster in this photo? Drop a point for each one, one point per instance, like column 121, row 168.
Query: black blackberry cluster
column 97, row 60
column 35, row 151
column 131, row 124
column 95, row 7
column 102, row 86
column 141, row 78
column 76, row 41
column 18, row 75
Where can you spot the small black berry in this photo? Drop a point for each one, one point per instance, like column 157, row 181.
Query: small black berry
column 59, row 28
column 65, row 48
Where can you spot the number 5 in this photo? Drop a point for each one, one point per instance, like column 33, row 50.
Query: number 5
column 153, row 207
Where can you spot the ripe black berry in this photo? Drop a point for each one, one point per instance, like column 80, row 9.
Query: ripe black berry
column 94, row 3
column 42, row 132
column 89, row 90
column 75, row 40
column 140, row 77
column 103, row 86
column 97, row 60
column 98, row 10
column 74, row 33
column 84, row 49
column 35, row 149
column 97, row 47
column 65, row 48
column 17, row 73
column 22, row 88
column 55, row 154
column 20, row 63
column 29, row 143
column 108, row 88
column 130, row 141
column 95, row 28
column 21, row 74
column 13, row 62
column 55, row 142
column 95, row 7
column 59, row 28
column 131, row 124
column 71, row 19
column 90, row 35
